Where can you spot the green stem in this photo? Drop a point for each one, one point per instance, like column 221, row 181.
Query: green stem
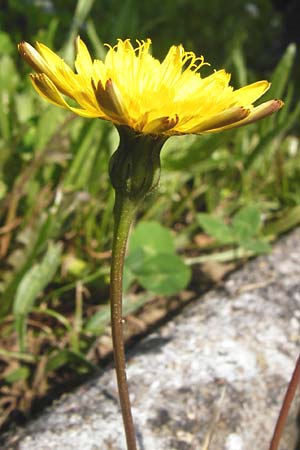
column 124, row 212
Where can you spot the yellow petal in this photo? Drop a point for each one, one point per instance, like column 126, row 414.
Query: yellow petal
column 221, row 119
column 57, row 70
column 44, row 86
column 257, row 113
column 264, row 110
column 130, row 87
column 47, row 89
column 110, row 100
column 83, row 61
column 52, row 59
column 32, row 57
column 249, row 94
column 160, row 125
column 172, row 64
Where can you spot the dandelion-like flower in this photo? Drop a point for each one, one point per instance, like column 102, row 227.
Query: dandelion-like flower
column 132, row 88
column 148, row 101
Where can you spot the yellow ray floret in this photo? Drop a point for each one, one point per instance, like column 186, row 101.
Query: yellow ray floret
column 132, row 88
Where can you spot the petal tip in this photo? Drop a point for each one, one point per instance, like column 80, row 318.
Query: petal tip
column 278, row 104
column 77, row 42
column 23, row 48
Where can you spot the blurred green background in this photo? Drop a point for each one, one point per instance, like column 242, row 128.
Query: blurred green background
column 222, row 198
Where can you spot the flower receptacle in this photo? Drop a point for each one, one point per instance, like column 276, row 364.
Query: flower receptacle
column 134, row 168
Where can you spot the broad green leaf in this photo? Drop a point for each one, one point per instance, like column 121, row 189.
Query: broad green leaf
column 36, row 279
column 128, row 277
column 34, row 243
column 256, row 246
column 152, row 238
column 216, row 228
column 135, row 259
column 246, row 223
column 164, row 274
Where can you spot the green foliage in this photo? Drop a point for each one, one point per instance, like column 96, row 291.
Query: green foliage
column 18, row 374
column 151, row 238
column 98, row 322
column 216, row 228
column 152, row 260
column 63, row 357
column 164, row 274
column 36, row 279
column 243, row 230
column 33, row 283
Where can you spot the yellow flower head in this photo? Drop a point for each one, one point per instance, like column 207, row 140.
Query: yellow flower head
column 132, row 88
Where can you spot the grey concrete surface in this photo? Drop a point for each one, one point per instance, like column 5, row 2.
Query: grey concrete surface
column 219, row 370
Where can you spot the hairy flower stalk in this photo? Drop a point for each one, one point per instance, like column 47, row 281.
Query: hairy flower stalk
column 148, row 101
column 134, row 171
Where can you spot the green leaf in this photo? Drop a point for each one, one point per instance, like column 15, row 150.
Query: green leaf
column 22, row 373
column 26, row 357
column 216, row 228
column 94, row 38
column 238, row 59
column 47, row 126
column 281, row 74
column 87, row 148
column 135, row 259
column 262, row 150
column 279, row 83
column 82, row 10
column 164, row 274
column 36, row 279
column 35, row 242
column 257, row 246
column 97, row 323
column 246, row 223
column 152, row 238
column 128, row 277
column 24, row 106
column 63, row 357
column 187, row 153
